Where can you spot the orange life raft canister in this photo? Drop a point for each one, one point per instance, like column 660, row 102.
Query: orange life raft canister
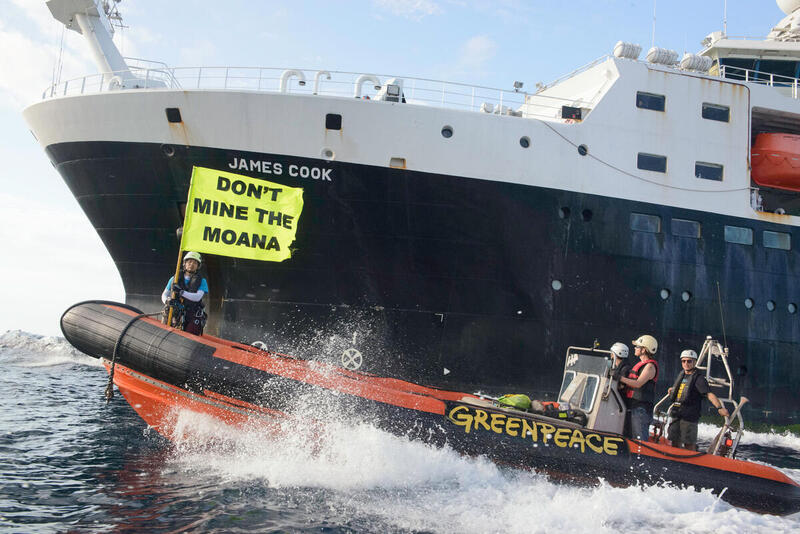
column 776, row 161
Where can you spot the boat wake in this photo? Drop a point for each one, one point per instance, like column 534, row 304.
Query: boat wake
column 390, row 483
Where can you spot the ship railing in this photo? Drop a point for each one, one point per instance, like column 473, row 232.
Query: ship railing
column 541, row 87
column 419, row 91
column 764, row 78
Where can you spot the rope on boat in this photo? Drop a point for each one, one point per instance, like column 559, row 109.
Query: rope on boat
column 109, row 394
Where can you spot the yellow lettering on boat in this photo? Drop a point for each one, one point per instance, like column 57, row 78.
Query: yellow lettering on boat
column 577, row 439
column 561, row 437
column 512, row 424
column 498, row 423
column 547, row 430
column 529, row 427
column 610, row 445
column 598, row 448
column 480, row 419
column 460, row 418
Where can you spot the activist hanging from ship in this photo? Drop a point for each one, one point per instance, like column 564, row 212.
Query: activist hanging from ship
column 235, row 216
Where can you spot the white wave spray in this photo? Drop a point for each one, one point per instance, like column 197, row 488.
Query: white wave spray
column 404, row 485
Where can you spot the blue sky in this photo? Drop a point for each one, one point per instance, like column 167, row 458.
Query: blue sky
column 51, row 256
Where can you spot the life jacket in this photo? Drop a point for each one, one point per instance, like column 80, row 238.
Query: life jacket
column 673, row 398
column 191, row 285
column 646, row 393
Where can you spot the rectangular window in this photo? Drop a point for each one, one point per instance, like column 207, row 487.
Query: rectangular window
column 587, row 399
column 737, row 234
column 708, row 171
column 686, row 228
column 645, row 223
column 716, row 112
column 777, row 240
column 650, row 101
column 651, row 162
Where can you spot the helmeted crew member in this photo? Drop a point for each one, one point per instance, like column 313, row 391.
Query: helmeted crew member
column 620, row 368
column 190, row 288
column 688, row 391
column 641, row 383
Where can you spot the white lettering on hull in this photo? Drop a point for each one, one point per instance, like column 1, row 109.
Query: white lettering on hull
column 276, row 169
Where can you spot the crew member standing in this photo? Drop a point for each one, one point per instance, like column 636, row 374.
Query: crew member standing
column 620, row 368
column 189, row 290
column 686, row 396
column 641, row 383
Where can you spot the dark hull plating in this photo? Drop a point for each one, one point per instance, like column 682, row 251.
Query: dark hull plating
column 450, row 281
column 241, row 380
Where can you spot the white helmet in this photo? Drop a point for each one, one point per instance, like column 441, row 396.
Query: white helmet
column 193, row 256
column 689, row 353
column 648, row 343
column 620, row 350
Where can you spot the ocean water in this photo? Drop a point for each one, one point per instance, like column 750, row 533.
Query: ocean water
column 71, row 463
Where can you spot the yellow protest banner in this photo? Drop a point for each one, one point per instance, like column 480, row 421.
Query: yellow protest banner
column 233, row 215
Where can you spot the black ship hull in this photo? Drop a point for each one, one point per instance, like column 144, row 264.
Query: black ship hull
column 460, row 283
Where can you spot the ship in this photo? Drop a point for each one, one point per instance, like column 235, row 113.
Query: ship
column 461, row 236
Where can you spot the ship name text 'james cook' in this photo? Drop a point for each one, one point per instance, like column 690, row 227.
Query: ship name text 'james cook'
column 276, row 168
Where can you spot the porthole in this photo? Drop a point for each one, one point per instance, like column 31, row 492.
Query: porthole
column 664, row 293
column 563, row 212
column 447, row 132
column 583, row 150
column 748, row 303
column 525, row 142
column 771, row 305
column 168, row 150
column 586, row 215
column 792, row 307
column 686, row 296
column 556, row 285
column 327, row 153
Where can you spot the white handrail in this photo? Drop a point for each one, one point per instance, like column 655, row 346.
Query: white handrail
column 759, row 77
column 419, row 91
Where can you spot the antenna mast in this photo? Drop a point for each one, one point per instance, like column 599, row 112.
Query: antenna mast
column 653, row 41
column 725, row 19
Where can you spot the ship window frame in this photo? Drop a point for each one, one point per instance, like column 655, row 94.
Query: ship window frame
column 686, row 228
column 593, row 397
column 333, row 121
column 651, row 101
column 711, row 111
column 651, row 162
column 565, row 384
column 643, row 222
column 730, row 235
column 711, row 170
column 777, row 244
